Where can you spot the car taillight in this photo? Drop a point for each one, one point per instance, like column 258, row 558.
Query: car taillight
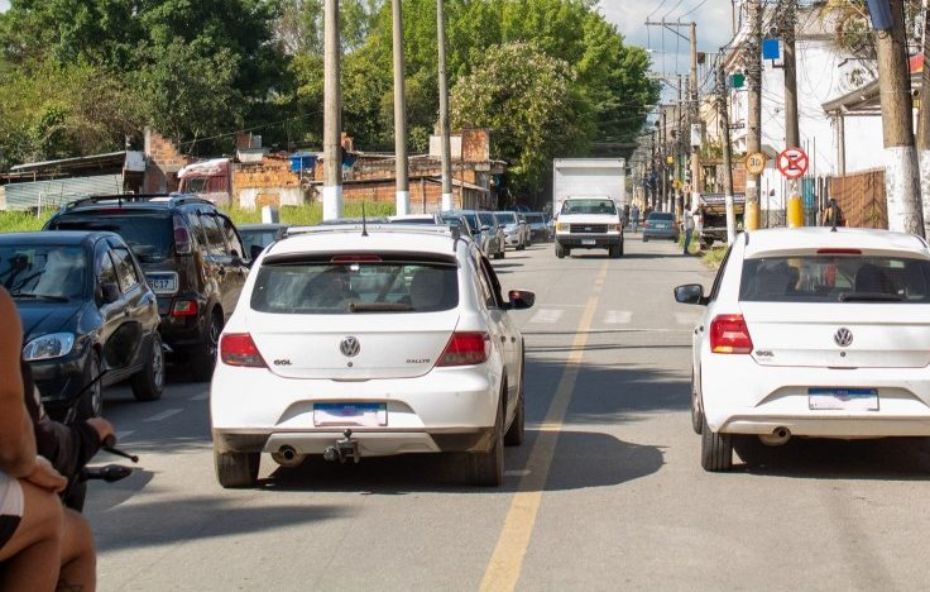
column 729, row 335
column 184, row 308
column 182, row 237
column 466, row 349
column 238, row 349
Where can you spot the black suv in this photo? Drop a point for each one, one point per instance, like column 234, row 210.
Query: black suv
column 74, row 291
column 192, row 256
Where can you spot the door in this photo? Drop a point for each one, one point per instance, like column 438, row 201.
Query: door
column 504, row 330
column 218, row 263
column 236, row 268
column 111, row 313
column 136, row 301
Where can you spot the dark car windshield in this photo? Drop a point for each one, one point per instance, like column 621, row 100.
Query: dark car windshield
column 506, row 218
column 330, row 288
column 832, row 278
column 588, row 206
column 472, row 221
column 149, row 235
column 43, row 272
column 257, row 238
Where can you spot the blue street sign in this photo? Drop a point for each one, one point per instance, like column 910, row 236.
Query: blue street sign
column 771, row 49
column 880, row 11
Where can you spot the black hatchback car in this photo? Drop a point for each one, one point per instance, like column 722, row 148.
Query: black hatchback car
column 73, row 291
column 192, row 256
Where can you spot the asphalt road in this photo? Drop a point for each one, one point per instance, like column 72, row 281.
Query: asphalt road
column 607, row 493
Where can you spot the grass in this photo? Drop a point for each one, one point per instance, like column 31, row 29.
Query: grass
column 713, row 256
column 305, row 215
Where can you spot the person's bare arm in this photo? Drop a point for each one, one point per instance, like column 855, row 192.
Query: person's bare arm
column 17, row 440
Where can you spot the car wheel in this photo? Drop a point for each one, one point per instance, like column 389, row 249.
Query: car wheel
column 204, row 359
column 559, row 251
column 697, row 416
column 716, row 450
column 487, row 468
column 613, row 252
column 621, row 247
column 517, row 431
column 237, row 469
column 91, row 403
column 645, row 239
column 148, row 384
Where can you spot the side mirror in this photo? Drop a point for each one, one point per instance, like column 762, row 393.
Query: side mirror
column 485, row 228
column 121, row 348
column 255, row 251
column 690, row 294
column 109, row 293
column 521, row 299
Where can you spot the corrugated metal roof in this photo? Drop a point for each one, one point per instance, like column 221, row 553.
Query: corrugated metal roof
column 23, row 196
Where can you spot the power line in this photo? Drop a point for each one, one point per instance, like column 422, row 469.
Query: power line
column 700, row 4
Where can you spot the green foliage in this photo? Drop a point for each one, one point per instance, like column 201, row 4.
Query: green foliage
column 23, row 221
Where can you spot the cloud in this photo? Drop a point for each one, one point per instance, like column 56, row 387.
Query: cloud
column 4, row 5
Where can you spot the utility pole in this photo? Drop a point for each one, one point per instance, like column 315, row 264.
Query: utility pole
column 696, row 135
column 923, row 122
column 676, row 203
column 753, row 59
column 902, row 181
column 663, row 152
column 400, row 114
column 795, row 210
column 724, row 112
column 444, row 110
column 332, row 115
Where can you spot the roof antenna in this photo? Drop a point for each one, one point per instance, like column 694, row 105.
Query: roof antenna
column 364, row 221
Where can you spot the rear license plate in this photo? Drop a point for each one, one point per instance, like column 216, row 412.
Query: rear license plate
column 843, row 399
column 369, row 415
column 589, row 241
column 163, row 283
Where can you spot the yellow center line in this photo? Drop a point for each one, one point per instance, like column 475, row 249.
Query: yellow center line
column 506, row 562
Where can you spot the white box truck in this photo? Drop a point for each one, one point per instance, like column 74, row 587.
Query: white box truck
column 588, row 199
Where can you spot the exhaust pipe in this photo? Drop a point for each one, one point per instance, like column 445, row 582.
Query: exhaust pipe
column 287, row 457
column 778, row 437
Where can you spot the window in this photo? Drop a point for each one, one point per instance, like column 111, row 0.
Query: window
column 150, row 235
column 216, row 243
column 487, row 219
column 495, row 284
column 588, row 206
column 485, row 292
column 125, row 270
column 106, row 271
column 719, row 277
column 835, row 278
column 232, row 239
column 42, row 271
column 506, row 218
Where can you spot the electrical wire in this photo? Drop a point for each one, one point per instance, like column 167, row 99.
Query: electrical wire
column 700, row 4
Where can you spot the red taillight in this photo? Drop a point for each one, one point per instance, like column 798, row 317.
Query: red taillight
column 184, row 308
column 466, row 349
column 729, row 335
column 356, row 259
column 238, row 349
column 839, row 252
column 182, row 237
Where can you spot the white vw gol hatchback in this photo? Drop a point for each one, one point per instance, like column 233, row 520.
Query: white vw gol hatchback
column 811, row 332
column 350, row 345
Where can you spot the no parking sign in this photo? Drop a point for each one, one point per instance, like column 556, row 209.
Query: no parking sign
column 792, row 163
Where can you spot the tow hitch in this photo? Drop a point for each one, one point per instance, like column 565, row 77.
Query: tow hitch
column 345, row 449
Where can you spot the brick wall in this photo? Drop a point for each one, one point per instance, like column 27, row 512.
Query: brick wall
column 270, row 183
column 164, row 160
column 476, row 145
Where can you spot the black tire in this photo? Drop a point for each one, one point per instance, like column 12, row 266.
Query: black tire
column 235, row 470
column 149, row 383
column 203, row 360
column 559, row 251
column 614, row 252
column 91, row 403
column 521, row 247
column 621, row 247
column 517, row 432
column 716, row 450
column 645, row 239
column 487, row 468
column 697, row 415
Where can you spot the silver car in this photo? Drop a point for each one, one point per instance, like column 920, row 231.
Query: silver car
column 497, row 246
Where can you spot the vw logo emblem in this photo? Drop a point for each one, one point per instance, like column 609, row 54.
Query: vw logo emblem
column 350, row 347
column 843, row 337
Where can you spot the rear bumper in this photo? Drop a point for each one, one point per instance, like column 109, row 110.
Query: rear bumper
column 660, row 234
column 589, row 241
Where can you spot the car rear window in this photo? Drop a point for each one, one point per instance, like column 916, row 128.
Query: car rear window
column 661, row 216
column 149, row 235
column 506, row 218
column 835, row 278
column 342, row 286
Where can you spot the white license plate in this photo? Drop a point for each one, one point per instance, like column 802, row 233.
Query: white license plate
column 163, row 284
column 589, row 241
column 841, row 399
column 369, row 415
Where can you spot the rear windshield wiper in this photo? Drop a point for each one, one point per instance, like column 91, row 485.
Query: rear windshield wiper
column 44, row 297
column 869, row 297
column 380, row 307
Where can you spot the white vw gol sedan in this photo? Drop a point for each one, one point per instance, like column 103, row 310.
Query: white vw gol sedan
column 350, row 345
column 811, row 332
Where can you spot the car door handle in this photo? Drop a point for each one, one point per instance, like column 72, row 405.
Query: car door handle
column 503, row 339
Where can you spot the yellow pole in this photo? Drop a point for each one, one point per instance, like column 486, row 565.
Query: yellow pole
column 795, row 211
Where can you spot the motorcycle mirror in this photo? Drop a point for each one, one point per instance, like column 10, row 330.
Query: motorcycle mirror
column 121, row 348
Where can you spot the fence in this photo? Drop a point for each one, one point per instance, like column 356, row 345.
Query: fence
column 861, row 197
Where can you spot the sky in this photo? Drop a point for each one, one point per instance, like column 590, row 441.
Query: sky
column 4, row 4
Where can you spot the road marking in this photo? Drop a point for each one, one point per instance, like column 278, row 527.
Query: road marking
column 687, row 318
column 618, row 317
column 547, row 316
column 164, row 414
column 200, row 397
column 503, row 571
column 120, row 436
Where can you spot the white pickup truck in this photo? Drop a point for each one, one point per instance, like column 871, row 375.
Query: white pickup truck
column 588, row 223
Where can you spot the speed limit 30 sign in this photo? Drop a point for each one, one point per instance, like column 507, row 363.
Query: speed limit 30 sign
column 755, row 163
column 792, row 162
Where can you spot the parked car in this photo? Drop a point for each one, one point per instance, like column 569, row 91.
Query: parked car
column 73, row 291
column 660, row 225
column 516, row 231
column 811, row 332
column 490, row 224
column 487, row 238
column 539, row 229
column 255, row 237
column 192, row 257
column 396, row 342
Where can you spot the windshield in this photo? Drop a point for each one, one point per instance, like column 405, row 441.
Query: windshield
column 487, row 219
column 506, row 218
column 150, row 236
column 472, row 221
column 257, row 238
column 835, row 278
column 325, row 287
column 588, row 206
column 43, row 272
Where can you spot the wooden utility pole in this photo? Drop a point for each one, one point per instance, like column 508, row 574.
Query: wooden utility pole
column 923, row 122
column 676, row 204
column 400, row 113
column 794, row 207
column 724, row 113
column 696, row 139
column 902, row 181
column 663, row 151
column 332, row 115
column 445, row 140
column 753, row 61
